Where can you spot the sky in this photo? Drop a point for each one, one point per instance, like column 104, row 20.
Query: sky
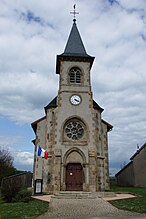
column 33, row 32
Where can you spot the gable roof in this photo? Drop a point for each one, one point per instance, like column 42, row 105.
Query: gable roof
column 138, row 151
column 131, row 160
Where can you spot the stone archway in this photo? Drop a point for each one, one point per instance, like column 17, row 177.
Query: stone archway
column 74, row 171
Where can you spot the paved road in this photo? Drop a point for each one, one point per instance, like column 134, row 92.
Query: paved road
column 86, row 209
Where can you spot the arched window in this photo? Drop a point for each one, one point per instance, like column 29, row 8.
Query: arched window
column 75, row 75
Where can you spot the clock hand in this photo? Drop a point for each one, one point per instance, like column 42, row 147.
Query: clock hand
column 76, row 100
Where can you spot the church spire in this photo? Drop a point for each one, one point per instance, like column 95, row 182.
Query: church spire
column 74, row 49
column 75, row 46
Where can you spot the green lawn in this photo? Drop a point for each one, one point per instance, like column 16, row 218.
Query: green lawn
column 21, row 210
column 137, row 204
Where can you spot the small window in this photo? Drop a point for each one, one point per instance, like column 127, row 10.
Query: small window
column 75, row 75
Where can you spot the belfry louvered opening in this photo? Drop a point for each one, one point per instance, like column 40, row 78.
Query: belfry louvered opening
column 75, row 75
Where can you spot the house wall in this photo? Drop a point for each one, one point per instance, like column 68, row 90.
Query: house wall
column 126, row 176
column 134, row 174
column 139, row 163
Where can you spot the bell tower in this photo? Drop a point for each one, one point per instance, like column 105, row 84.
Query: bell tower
column 74, row 64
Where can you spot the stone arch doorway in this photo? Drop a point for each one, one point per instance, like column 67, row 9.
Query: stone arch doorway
column 74, row 170
column 74, row 177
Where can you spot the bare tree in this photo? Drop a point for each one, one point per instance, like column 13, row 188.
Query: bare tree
column 6, row 163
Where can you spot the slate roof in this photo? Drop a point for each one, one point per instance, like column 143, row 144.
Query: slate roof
column 75, row 46
column 74, row 50
column 52, row 104
column 96, row 106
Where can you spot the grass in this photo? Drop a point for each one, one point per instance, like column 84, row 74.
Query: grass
column 21, row 210
column 137, row 204
column 34, row 208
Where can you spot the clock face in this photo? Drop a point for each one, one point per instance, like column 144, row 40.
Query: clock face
column 75, row 99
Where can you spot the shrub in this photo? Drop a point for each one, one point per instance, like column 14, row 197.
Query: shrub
column 9, row 189
column 23, row 195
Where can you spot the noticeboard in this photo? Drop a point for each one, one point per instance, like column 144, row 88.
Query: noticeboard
column 38, row 186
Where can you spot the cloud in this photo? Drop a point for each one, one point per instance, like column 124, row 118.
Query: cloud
column 32, row 33
column 24, row 161
column 24, row 158
column 6, row 141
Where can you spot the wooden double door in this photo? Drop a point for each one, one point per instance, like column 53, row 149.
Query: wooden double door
column 74, row 177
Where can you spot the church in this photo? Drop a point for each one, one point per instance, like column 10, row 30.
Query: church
column 72, row 130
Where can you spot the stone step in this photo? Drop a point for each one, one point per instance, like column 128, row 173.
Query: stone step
column 82, row 195
column 73, row 195
column 104, row 194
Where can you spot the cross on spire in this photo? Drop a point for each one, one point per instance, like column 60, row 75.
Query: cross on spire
column 74, row 13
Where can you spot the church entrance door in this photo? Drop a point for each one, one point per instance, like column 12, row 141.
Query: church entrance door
column 74, row 177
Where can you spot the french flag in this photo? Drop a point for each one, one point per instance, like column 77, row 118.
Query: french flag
column 43, row 153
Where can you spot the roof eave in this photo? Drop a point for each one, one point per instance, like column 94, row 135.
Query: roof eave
column 109, row 126
column 120, row 171
column 73, row 57
column 96, row 106
column 138, row 151
column 52, row 104
column 34, row 124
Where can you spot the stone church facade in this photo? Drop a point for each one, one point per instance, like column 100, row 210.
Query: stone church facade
column 72, row 130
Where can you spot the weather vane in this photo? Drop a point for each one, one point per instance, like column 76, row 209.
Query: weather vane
column 74, row 12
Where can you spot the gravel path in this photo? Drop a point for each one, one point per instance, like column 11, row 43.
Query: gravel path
column 85, row 209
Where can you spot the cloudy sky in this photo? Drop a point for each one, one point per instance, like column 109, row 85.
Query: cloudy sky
column 33, row 32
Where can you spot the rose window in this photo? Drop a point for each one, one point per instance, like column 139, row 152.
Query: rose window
column 74, row 130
